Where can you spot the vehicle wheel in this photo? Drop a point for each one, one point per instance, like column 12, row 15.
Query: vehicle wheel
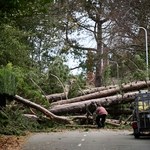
column 136, row 134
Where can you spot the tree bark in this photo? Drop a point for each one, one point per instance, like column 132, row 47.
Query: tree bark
column 49, row 114
column 123, row 88
column 118, row 112
column 79, row 107
column 62, row 96
column 56, row 97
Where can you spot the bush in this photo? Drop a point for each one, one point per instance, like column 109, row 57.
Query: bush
column 14, row 123
column 7, row 80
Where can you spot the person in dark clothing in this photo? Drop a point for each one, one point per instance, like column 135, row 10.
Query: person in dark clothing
column 101, row 114
column 90, row 111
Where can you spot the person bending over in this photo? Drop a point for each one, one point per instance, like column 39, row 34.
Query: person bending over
column 101, row 114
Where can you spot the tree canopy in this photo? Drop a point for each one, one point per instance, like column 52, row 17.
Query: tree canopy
column 39, row 39
column 34, row 34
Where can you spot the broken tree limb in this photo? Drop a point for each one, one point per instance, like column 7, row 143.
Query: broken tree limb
column 38, row 107
column 124, row 88
column 112, row 123
column 128, row 119
column 34, row 117
column 79, row 107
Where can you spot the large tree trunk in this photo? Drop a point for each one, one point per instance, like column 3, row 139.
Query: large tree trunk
column 62, row 96
column 79, row 107
column 49, row 114
column 119, row 111
column 56, row 97
column 123, row 88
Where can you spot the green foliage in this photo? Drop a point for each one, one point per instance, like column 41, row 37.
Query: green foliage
column 11, row 9
column 12, row 122
column 139, row 73
column 58, row 75
column 13, row 47
column 137, row 69
column 29, row 85
column 23, row 82
column 73, row 89
column 77, row 83
column 107, row 75
column 8, row 80
column 139, row 63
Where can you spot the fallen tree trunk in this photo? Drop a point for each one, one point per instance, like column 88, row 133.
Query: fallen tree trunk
column 119, row 112
column 62, row 96
column 56, row 97
column 49, row 114
column 79, row 107
column 124, row 88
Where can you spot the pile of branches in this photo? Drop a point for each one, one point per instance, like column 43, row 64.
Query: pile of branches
column 62, row 108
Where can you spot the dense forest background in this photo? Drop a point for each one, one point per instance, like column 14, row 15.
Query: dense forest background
column 43, row 42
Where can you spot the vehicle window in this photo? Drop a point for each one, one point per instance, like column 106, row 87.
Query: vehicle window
column 143, row 105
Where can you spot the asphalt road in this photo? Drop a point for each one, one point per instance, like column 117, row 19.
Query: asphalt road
column 91, row 140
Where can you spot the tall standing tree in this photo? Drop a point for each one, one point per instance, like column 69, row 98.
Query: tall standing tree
column 100, row 27
column 91, row 18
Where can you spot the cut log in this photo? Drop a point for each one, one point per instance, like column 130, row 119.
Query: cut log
column 49, row 114
column 79, row 107
column 124, row 88
column 112, row 123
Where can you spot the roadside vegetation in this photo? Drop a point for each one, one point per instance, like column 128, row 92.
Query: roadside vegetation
column 41, row 41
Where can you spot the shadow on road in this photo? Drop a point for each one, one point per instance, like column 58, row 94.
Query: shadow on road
column 146, row 137
column 142, row 137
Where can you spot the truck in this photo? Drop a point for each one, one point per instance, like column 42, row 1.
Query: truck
column 141, row 115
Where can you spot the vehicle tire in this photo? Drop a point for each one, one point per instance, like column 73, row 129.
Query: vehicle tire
column 136, row 133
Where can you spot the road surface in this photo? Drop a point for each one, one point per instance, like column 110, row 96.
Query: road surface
column 91, row 140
